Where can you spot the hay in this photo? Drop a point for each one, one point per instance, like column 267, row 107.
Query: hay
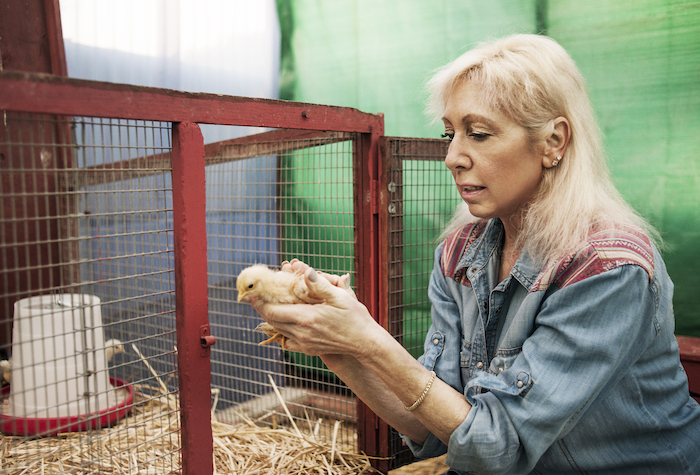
column 257, row 450
column 148, row 442
column 250, row 449
column 145, row 442
column 434, row 466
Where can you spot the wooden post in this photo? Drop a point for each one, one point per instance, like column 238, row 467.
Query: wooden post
column 194, row 370
column 372, row 432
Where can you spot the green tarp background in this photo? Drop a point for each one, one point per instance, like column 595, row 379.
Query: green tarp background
column 641, row 59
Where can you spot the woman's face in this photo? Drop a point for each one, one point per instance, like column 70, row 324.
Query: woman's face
column 496, row 170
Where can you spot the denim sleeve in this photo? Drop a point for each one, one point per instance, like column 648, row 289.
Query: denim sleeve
column 442, row 348
column 585, row 335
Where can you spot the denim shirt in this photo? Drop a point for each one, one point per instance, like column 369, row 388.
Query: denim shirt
column 570, row 369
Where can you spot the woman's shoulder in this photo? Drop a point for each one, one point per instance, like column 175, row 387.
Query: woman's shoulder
column 604, row 250
column 457, row 242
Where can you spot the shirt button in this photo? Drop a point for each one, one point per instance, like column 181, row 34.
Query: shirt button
column 472, row 270
column 436, row 341
column 480, row 365
column 520, row 384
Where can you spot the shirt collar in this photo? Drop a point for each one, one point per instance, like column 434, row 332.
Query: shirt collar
column 488, row 244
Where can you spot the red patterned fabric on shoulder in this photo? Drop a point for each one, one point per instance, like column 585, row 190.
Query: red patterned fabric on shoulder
column 454, row 246
column 604, row 251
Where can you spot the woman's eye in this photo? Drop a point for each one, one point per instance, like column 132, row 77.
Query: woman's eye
column 479, row 136
column 448, row 135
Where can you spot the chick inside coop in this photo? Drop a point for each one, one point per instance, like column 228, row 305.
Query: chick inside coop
column 113, row 228
column 124, row 227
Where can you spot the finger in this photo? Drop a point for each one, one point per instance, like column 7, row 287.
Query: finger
column 277, row 314
column 249, row 299
column 299, row 266
column 291, row 345
column 344, row 282
column 340, row 281
column 321, row 287
column 334, row 279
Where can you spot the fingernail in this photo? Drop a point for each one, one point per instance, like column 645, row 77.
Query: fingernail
column 313, row 276
column 284, row 263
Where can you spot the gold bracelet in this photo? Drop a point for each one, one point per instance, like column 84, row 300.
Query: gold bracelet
column 422, row 396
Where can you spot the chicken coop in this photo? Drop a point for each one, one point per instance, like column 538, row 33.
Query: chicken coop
column 123, row 234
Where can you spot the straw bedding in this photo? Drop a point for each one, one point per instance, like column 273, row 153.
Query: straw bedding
column 434, row 466
column 147, row 442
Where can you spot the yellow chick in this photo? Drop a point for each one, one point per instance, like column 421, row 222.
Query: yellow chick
column 269, row 286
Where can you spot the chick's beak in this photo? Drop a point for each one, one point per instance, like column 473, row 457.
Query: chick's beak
column 242, row 295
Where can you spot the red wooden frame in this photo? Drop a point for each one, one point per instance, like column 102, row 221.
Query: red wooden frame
column 191, row 304
column 39, row 93
column 690, row 358
column 47, row 94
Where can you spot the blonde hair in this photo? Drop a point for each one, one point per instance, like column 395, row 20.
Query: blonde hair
column 533, row 79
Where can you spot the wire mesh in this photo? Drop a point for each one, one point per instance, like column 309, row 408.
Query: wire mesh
column 87, row 226
column 422, row 198
column 268, row 202
column 87, row 312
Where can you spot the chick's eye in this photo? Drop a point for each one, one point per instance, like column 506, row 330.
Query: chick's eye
column 448, row 135
column 250, row 286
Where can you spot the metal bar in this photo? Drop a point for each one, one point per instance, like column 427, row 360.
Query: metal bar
column 366, row 419
column 189, row 204
column 41, row 93
column 258, row 145
column 372, row 437
column 381, row 270
column 261, row 145
column 410, row 149
column 280, row 135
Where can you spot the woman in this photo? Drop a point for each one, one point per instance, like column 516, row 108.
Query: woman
column 551, row 348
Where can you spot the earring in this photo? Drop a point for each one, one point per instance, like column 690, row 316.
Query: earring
column 556, row 162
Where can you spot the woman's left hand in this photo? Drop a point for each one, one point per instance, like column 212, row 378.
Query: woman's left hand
column 341, row 325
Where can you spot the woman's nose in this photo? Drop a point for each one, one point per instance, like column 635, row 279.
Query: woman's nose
column 457, row 157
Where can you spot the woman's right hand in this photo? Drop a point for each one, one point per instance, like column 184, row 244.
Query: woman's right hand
column 339, row 325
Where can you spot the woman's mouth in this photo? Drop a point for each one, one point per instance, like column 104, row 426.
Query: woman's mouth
column 468, row 192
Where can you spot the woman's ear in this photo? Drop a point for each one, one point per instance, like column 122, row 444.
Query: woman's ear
column 556, row 142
